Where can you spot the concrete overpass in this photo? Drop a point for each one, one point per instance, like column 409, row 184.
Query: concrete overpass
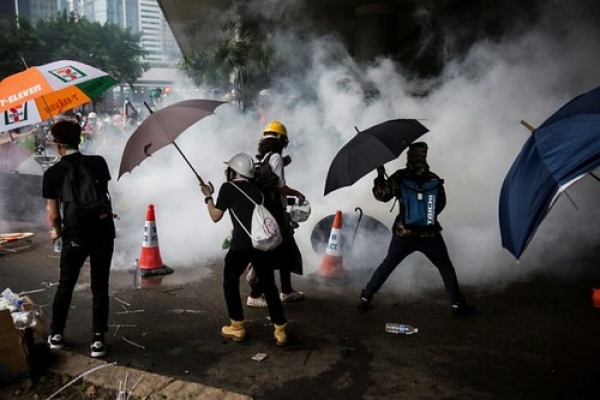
column 413, row 32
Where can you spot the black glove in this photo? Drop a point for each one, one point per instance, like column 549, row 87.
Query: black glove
column 379, row 181
column 286, row 160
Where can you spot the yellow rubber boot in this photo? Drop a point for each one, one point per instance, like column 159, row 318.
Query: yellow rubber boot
column 235, row 331
column 280, row 335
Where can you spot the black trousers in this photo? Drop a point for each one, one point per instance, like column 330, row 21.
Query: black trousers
column 236, row 262
column 434, row 248
column 72, row 257
column 287, row 260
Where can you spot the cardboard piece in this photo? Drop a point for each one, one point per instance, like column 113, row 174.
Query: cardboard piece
column 14, row 354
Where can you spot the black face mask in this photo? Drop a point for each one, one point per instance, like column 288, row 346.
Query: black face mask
column 417, row 163
column 229, row 174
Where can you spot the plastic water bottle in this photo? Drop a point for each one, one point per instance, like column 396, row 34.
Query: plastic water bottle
column 137, row 277
column 400, row 329
column 57, row 245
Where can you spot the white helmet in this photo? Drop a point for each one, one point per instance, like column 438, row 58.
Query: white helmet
column 92, row 115
column 243, row 164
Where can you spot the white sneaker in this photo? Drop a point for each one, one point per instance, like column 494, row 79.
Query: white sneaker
column 259, row 302
column 291, row 297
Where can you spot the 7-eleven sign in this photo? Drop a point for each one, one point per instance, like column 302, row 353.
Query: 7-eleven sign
column 15, row 114
column 68, row 74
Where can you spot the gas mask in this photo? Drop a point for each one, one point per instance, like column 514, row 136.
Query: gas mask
column 416, row 161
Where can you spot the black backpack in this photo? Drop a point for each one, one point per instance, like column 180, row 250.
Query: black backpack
column 85, row 199
column 264, row 177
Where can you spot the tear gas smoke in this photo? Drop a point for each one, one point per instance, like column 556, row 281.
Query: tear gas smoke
column 472, row 111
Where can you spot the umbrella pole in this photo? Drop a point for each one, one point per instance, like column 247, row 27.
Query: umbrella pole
column 188, row 163
column 594, row 176
column 570, row 199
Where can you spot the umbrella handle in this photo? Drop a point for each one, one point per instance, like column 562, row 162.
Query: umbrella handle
column 528, row 126
column 357, row 224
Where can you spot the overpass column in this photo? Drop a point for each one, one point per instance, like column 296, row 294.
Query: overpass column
column 375, row 29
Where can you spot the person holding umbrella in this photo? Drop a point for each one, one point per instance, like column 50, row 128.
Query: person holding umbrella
column 233, row 198
column 422, row 197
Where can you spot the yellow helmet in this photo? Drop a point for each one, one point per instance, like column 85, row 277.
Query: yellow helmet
column 275, row 127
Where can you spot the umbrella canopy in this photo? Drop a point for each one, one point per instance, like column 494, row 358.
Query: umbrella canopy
column 41, row 92
column 370, row 149
column 561, row 151
column 162, row 128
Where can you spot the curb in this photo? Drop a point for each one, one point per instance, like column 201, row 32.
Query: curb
column 150, row 387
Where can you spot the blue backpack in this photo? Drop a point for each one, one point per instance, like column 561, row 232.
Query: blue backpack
column 420, row 202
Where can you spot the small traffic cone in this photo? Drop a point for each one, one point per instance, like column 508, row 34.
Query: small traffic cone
column 150, row 262
column 332, row 266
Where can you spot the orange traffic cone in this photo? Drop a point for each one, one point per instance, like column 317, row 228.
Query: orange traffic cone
column 332, row 267
column 150, row 262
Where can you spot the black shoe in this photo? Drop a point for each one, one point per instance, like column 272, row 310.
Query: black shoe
column 462, row 310
column 56, row 341
column 364, row 302
column 98, row 349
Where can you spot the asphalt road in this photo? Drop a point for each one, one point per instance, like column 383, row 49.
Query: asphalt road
column 535, row 339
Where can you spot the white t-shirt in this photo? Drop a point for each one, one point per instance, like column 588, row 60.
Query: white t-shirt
column 276, row 164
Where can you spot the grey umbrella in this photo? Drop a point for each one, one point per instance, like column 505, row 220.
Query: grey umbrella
column 161, row 128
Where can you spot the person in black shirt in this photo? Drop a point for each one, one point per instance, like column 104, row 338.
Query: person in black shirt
column 240, row 170
column 410, row 237
column 95, row 241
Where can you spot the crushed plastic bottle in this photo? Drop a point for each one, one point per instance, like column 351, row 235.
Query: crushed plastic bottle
column 400, row 329
column 24, row 319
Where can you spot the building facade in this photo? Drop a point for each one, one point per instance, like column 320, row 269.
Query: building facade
column 141, row 16
column 31, row 10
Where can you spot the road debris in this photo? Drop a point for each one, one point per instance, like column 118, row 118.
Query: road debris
column 259, row 357
column 133, row 343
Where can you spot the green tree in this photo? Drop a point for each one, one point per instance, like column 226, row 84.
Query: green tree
column 18, row 45
column 104, row 46
column 66, row 36
column 242, row 59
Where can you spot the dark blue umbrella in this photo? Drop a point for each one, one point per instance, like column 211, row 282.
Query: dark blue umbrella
column 561, row 151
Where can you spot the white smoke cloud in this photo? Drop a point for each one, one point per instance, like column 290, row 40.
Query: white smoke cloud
column 473, row 112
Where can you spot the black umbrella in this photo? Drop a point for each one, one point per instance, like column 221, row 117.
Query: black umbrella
column 370, row 149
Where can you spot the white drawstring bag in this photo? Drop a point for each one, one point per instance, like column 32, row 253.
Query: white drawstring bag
column 265, row 232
